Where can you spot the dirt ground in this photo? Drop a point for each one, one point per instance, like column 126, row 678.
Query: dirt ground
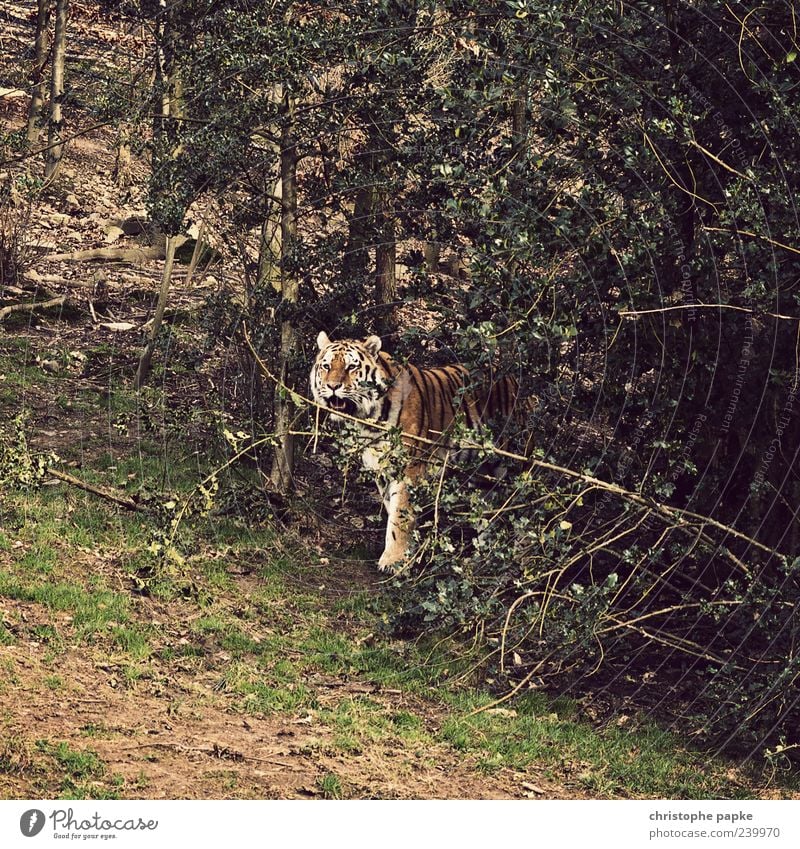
column 182, row 739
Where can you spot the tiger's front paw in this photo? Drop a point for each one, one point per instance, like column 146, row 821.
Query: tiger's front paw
column 390, row 561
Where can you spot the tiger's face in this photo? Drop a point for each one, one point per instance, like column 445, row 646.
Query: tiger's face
column 348, row 376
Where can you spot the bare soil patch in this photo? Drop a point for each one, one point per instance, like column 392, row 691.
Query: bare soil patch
column 180, row 739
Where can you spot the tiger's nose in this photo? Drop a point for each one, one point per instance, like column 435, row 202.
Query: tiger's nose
column 334, row 386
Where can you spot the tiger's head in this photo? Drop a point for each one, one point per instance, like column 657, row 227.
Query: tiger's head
column 349, row 377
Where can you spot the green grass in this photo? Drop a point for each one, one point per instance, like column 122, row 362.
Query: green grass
column 92, row 729
column 330, row 787
column 92, row 610
column 20, row 373
column 531, row 730
column 358, row 721
column 645, row 761
column 79, row 773
column 40, row 558
column 77, row 764
column 59, row 520
column 6, row 637
column 227, row 633
column 132, row 640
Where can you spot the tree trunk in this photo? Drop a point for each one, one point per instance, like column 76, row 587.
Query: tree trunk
column 281, row 475
column 161, row 83
column 168, row 105
column 355, row 259
column 123, row 176
column 519, row 119
column 386, row 268
column 166, row 86
column 196, row 254
column 55, row 137
column 147, row 355
column 362, row 222
column 269, row 252
column 432, row 251
column 37, row 77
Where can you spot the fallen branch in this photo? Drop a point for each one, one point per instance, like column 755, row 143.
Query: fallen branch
column 719, row 161
column 215, row 751
column 134, row 256
column 34, row 279
column 33, row 306
column 751, row 235
column 104, row 492
column 734, row 307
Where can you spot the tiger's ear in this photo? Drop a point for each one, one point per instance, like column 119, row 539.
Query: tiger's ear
column 373, row 344
column 322, row 340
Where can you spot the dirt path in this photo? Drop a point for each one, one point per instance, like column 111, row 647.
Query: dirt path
column 181, row 739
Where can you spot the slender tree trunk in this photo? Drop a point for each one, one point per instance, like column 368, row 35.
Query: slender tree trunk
column 432, row 252
column 123, row 176
column 671, row 25
column 355, row 259
column 268, row 281
column 168, row 105
column 269, row 253
column 281, row 475
column 55, row 134
column 386, row 267
column 161, row 82
column 196, row 254
column 361, row 232
column 143, row 370
column 519, row 144
column 519, row 119
column 38, row 77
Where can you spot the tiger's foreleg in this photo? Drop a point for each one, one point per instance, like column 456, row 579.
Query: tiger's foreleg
column 399, row 525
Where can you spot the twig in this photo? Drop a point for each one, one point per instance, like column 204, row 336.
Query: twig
column 669, row 175
column 439, row 494
column 734, row 307
column 507, row 623
column 552, row 583
column 618, row 623
column 677, row 643
column 198, row 250
column 214, row 752
column 716, row 159
column 742, row 30
column 737, row 232
column 166, row 281
column 509, row 695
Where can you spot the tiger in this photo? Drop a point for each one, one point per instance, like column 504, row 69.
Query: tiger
column 356, row 378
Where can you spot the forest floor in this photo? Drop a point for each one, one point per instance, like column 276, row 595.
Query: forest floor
column 255, row 663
